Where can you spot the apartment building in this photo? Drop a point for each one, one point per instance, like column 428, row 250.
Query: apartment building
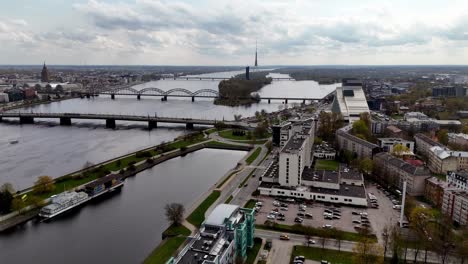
column 395, row 171
column 458, row 179
column 455, row 205
column 358, row 146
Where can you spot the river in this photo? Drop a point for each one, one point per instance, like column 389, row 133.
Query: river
column 123, row 227
column 46, row 148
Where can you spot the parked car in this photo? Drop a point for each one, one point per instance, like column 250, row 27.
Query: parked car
column 300, row 214
column 311, row 241
column 327, row 226
column 300, row 258
column 298, row 220
column 355, row 212
column 302, row 209
column 355, row 221
column 336, row 217
column 283, row 208
column 308, row 215
column 281, row 214
column 281, row 218
column 328, row 211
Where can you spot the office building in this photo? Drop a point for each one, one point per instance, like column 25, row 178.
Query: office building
column 449, row 91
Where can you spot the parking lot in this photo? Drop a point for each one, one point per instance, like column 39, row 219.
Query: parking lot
column 316, row 210
column 349, row 216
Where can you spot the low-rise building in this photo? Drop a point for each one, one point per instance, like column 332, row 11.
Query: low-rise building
column 424, row 144
column 387, row 144
column 395, row 171
column 226, row 234
column 434, row 191
column 324, row 151
column 458, row 179
column 455, row 205
column 359, row 147
column 459, row 139
column 442, row 160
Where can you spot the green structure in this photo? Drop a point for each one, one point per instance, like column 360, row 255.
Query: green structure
column 226, row 235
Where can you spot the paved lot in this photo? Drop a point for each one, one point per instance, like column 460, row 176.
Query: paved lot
column 384, row 215
column 317, row 211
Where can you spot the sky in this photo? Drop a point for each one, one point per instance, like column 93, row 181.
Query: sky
column 220, row 32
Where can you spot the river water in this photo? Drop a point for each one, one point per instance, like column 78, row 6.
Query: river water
column 124, row 227
column 46, row 148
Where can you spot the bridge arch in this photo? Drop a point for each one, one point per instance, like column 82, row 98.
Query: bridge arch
column 121, row 91
column 182, row 90
column 206, row 91
column 153, row 91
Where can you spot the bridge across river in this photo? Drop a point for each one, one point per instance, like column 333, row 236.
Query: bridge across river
column 190, row 78
column 180, row 92
column 65, row 119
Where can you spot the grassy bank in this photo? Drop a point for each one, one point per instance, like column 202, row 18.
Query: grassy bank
column 165, row 250
column 74, row 180
column 254, row 155
column 229, row 199
column 229, row 134
column 253, row 252
column 320, row 232
column 176, row 230
column 318, row 254
column 226, row 179
column 197, row 217
column 250, row 204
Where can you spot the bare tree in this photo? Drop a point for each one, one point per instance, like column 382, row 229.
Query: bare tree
column 368, row 252
column 175, row 213
column 44, row 184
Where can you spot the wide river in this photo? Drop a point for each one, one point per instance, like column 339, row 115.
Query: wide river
column 46, row 148
column 123, row 227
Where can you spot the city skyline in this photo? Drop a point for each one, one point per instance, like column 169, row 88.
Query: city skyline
column 144, row 32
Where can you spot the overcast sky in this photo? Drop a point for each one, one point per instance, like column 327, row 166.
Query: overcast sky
column 218, row 32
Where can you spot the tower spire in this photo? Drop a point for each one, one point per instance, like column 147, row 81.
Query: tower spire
column 256, row 63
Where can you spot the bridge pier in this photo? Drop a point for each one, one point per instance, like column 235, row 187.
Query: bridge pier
column 26, row 120
column 138, row 97
column 1, row 119
column 165, row 98
column 152, row 124
column 112, row 96
column 110, row 123
column 65, row 121
column 269, row 101
column 303, row 101
column 286, row 101
column 189, row 126
column 193, row 98
column 88, row 95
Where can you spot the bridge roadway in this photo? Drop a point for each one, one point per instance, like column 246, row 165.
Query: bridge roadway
column 65, row 119
column 187, row 78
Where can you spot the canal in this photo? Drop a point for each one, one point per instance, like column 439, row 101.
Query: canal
column 123, row 227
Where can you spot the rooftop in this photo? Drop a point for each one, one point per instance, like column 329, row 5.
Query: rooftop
column 220, row 214
column 401, row 164
column 293, row 145
column 345, row 189
column 320, row 176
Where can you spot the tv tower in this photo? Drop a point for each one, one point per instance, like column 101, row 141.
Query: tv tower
column 256, row 64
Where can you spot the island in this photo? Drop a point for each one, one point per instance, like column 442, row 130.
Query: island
column 239, row 91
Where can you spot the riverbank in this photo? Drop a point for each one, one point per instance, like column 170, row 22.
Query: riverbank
column 30, row 103
column 127, row 165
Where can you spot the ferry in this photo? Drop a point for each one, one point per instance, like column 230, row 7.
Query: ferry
column 68, row 200
column 63, row 202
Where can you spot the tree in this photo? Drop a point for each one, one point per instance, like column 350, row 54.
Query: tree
column 461, row 247
column 44, row 184
column 361, row 130
column 399, row 150
column 237, row 117
column 366, row 166
column 367, row 252
column 6, row 198
column 442, row 136
column 175, row 213
column 17, row 204
column 420, row 218
column 328, row 124
column 220, row 125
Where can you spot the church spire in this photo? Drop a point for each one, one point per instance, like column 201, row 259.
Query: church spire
column 256, row 63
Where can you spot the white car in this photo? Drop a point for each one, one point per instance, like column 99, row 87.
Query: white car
column 311, row 241
column 271, row 216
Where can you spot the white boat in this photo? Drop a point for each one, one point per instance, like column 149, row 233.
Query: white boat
column 63, row 202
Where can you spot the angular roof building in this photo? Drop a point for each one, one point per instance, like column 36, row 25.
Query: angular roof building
column 350, row 100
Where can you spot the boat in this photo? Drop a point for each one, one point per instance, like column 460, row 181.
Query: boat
column 106, row 184
column 63, row 202
column 14, row 141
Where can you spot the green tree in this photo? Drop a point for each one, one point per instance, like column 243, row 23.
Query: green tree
column 17, row 204
column 361, row 130
column 366, row 166
column 442, row 136
column 399, row 150
column 44, row 184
